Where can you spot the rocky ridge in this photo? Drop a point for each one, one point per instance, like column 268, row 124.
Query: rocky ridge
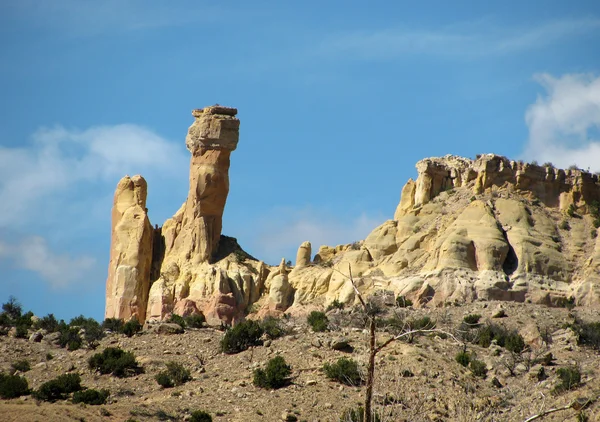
column 464, row 230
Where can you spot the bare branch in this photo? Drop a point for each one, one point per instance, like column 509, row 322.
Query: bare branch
column 573, row 405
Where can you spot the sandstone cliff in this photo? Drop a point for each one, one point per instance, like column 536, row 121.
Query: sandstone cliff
column 464, row 230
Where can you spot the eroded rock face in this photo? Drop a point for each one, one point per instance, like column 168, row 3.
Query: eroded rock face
column 128, row 280
column 489, row 228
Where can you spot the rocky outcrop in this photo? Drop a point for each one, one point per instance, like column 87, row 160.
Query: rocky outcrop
column 128, row 280
column 304, row 254
column 464, row 230
column 489, row 228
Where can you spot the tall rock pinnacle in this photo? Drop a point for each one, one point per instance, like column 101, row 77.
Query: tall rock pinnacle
column 210, row 139
column 128, row 280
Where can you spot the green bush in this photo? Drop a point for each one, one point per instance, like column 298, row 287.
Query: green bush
column 514, row 342
column 12, row 386
column 273, row 327
column 48, row 323
column 58, row 388
column 275, row 375
column 132, row 327
column 490, row 332
column 403, row 302
column 177, row 319
column 115, row 361
column 91, row 397
column 472, row 319
column 176, row 374
column 114, row 325
column 318, row 321
column 564, row 225
column 241, row 337
column 478, row 368
column 464, row 358
column 195, row 321
column 336, row 304
column 345, row 371
column 588, row 333
column 570, row 378
column 70, row 338
column 200, row 416
column 424, row 323
column 91, row 328
column 357, row 415
column 12, row 309
column 21, row 365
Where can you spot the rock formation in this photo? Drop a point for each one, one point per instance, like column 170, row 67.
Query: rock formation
column 128, row 280
column 464, row 230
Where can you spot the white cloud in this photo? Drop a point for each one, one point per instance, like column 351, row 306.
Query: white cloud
column 467, row 40
column 564, row 123
column 33, row 254
column 59, row 160
column 283, row 230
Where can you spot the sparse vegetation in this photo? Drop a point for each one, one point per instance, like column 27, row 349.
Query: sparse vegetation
column 241, row 337
column 176, row 374
column 58, row 388
column 273, row 328
column 115, row 361
column 564, row 225
column 588, row 333
column 344, row 371
column 177, row 319
column 478, row 368
column 48, row 323
column 200, row 416
column 463, row 358
column 21, row 365
column 132, row 327
column 403, row 302
column 336, row 304
column 358, row 415
column 13, row 386
column 472, row 319
column 275, row 375
column 91, row 397
column 195, row 320
column 114, row 325
column 318, row 321
column 569, row 379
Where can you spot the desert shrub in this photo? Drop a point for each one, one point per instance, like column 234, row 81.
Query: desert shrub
column 91, row 397
column 464, row 358
column 12, row 386
column 594, row 233
column 115, row 361
column 345, row 371
column 588, row 333
column 91, row 328
column 571, row 210
column 200, row 416
column 48, row 323
column 176, row 374
column 403, row 302
column 21, row 365
column 569, row 379
column 336, row 304
column 132, row 327
column 58, row 388
column 241, row 337
column 490, row 332
column 423, row 323
column 514, row 342
column 195, row 321
column 318, row 321
column 273, row 327
column 177, row 319
column 275, row 375
column 478, row 368
column 49, row 356
column 472, row 319
column 564, row 225
column 114, row 325
column 70, row 338
column 566, row 302
column 12, row 309
column 358, row 415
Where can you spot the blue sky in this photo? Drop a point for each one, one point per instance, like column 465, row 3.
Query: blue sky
column 338, row 100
